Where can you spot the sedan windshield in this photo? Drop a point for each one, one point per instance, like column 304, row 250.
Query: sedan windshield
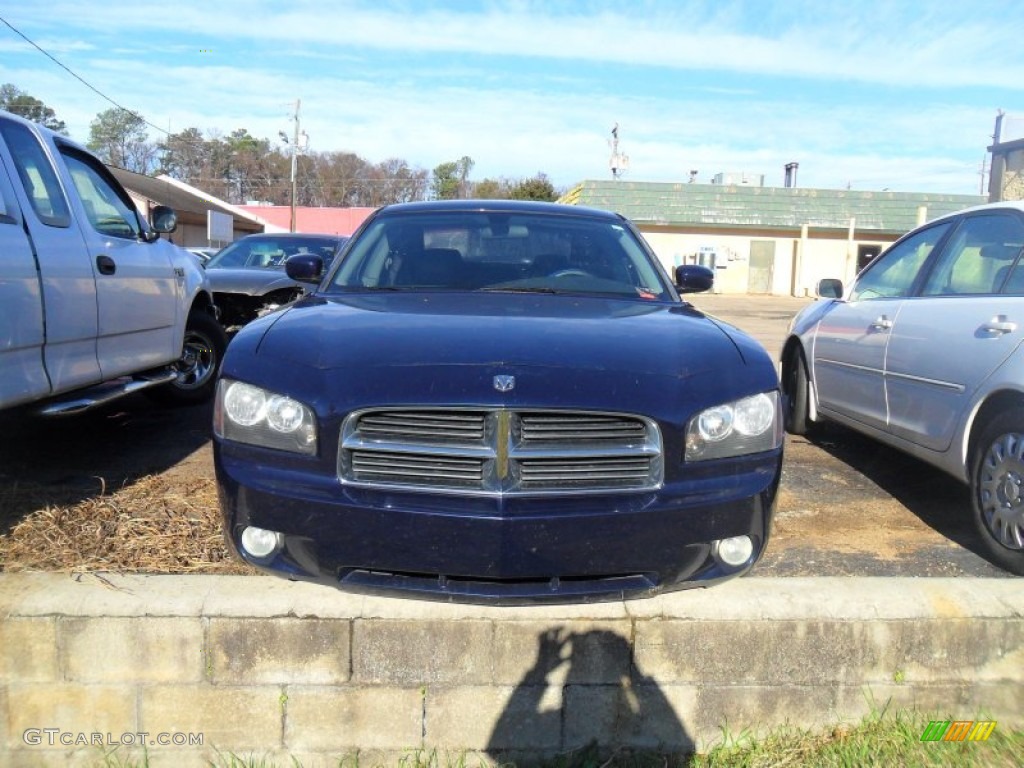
column 270, row 251
column 514, row 252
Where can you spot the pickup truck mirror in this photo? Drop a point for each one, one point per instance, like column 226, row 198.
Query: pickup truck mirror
column 163, row 219
column 693, row 278
column 830, row 288
column 305, row 268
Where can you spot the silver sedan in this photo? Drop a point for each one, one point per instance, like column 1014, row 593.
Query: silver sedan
column 923, row 352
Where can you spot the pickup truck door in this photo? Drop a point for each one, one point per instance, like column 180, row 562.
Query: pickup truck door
column 22, row 374
column 65, row 277
column 137, row 288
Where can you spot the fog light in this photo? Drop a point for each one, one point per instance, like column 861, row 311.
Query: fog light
column 259, row 542
column 735, row 550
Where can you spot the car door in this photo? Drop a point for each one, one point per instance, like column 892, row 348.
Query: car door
column 137, row 288
column 848, row 358
column 957, row 331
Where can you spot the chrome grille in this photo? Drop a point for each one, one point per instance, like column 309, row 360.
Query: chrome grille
column 500, row 451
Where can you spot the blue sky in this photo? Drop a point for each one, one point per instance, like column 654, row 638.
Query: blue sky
column 872, row 94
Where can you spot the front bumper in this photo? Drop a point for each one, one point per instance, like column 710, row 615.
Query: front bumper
column 502, row 550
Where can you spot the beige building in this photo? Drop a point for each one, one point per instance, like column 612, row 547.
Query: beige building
column 768, row 240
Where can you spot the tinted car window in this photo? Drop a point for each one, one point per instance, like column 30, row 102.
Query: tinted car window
column 894, row 273
column 481, row 251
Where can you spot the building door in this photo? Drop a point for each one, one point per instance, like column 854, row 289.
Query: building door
column 865, row 253
column 762, row 261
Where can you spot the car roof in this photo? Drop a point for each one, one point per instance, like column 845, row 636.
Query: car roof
column 499, row 206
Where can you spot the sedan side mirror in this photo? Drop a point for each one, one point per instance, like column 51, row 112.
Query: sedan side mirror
column 692, row 278
column 830, row 288
column 305, row 268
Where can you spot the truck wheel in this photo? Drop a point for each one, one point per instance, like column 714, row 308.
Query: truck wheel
column 997, row 490
column 200, row 360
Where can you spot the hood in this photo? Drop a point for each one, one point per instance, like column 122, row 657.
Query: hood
column 248, row 280
column 563, row 350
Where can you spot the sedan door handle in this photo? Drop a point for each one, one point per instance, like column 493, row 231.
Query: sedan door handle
column 882, row 323
column 999, row 324
column 106, row 265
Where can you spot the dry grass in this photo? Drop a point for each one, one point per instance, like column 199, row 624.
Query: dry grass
column 151, row 525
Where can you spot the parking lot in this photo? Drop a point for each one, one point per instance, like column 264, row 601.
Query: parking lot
column 848, row 506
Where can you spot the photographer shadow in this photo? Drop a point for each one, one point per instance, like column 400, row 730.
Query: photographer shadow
column 583, row 699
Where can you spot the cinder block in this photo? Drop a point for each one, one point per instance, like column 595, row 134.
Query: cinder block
column 494, row 717
column 413, row 653
column 287, row 651
column 69, row 708
column 758, row 708
column 577, row 653
column 131, row 650
column 342, row 719
column 940, row 651
column 228, row 717
column 734, row 652
column 636, row 714
column 28, row 650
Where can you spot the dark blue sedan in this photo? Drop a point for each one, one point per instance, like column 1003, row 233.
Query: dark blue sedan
column 502, row 402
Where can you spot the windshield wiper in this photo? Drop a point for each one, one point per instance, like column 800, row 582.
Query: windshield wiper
column 500, row 289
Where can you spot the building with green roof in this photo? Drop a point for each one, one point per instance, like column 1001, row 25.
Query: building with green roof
column 774, row 240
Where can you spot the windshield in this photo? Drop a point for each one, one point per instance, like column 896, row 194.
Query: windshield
column 515, row 252
column 270, row 251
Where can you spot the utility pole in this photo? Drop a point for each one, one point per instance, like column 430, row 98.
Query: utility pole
column 295, row 159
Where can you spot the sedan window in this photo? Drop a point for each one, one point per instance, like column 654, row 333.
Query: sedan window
column 978, row 258
column 894, row 273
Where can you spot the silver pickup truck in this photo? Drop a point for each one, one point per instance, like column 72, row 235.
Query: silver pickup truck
column 93, row 303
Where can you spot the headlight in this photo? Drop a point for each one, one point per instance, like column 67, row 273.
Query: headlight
column 745, row 426
column 253, row 415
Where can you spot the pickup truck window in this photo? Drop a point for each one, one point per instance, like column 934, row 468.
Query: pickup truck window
column 106, row 211
column 37, row 175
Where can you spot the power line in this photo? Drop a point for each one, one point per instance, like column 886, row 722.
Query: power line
column 79, row 78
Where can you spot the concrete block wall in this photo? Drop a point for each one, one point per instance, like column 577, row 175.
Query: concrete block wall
column 260, row 666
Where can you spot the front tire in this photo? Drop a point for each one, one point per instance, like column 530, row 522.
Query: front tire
column 202, row 353
column 796, row 384
column 997, row 490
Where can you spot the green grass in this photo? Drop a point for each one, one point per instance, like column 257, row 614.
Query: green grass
column 881, row 740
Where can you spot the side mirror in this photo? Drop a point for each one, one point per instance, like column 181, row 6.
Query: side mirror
column 163, row 219
column 830, row 288
column 692, row 278
column 305, row 268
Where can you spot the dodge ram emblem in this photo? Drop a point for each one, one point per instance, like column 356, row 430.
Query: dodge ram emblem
column 504, row 383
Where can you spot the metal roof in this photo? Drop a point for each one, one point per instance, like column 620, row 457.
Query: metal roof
column 750, row 207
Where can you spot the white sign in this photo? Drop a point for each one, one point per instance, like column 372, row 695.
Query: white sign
column 220, row 227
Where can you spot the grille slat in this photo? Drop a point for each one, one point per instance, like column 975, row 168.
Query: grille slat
column 500, row 452
column 555, row 429
column 418, row 426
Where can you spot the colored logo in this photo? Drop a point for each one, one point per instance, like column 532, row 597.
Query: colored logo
column 958, row 730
